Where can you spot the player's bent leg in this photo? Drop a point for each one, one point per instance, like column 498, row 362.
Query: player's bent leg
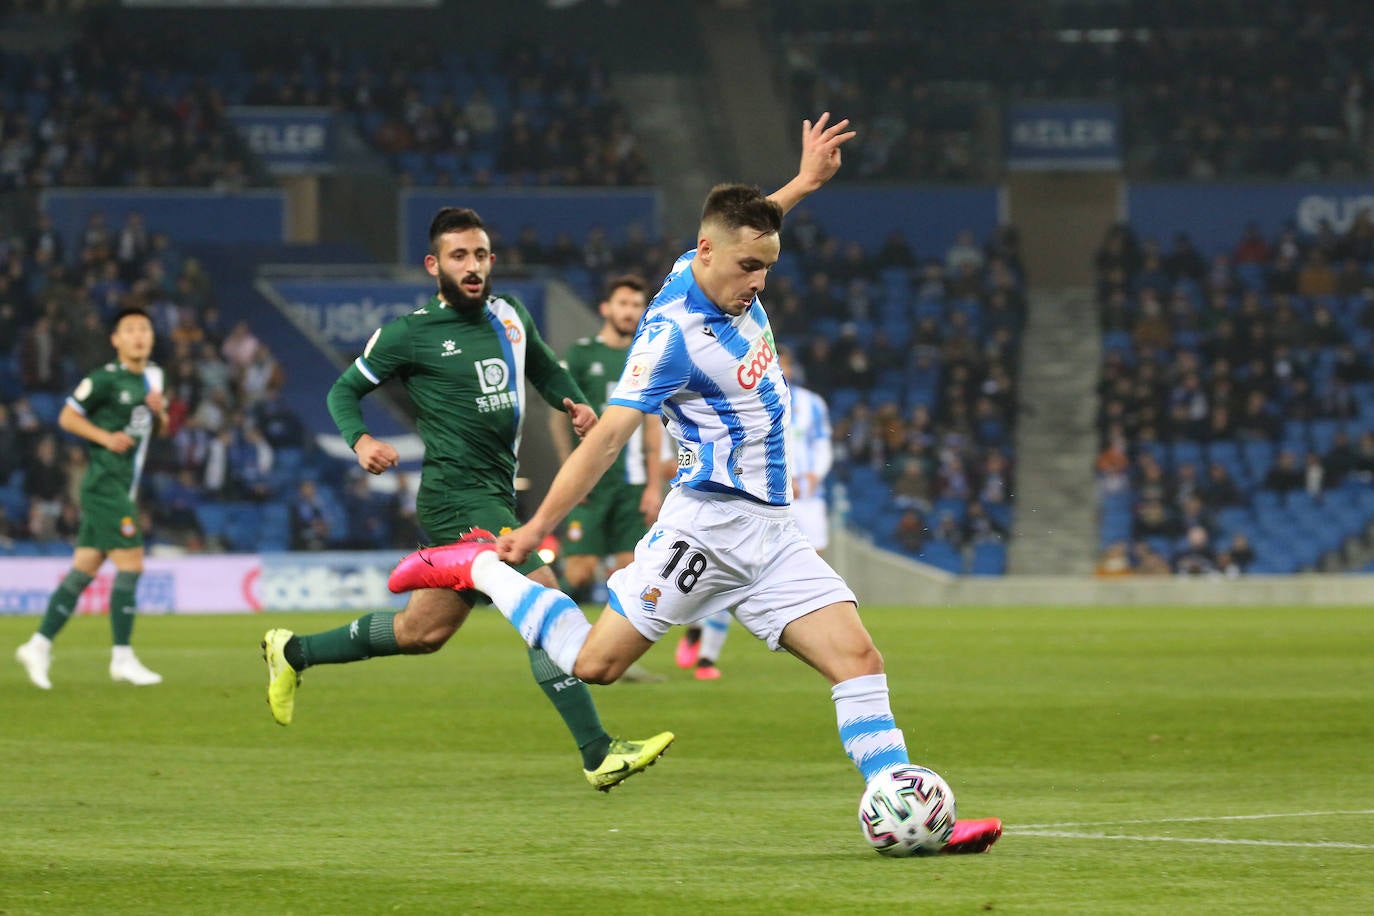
column 834, row 641
column 610, row 649
column 429, row 619
column 570, row 696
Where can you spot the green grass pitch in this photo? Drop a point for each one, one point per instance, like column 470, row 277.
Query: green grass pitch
column 1144, row 760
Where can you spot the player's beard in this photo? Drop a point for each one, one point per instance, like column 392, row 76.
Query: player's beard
column 457, row 297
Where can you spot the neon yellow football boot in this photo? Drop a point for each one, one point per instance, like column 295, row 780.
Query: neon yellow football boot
column 282, row 679
column 626, row 758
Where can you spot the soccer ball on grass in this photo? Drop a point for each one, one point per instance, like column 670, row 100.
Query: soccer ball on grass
column 907, row 811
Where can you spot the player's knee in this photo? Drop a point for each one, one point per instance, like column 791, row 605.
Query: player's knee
column 870, row 660
column 598, row 670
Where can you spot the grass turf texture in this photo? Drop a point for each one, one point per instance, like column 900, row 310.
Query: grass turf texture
column 446, row 783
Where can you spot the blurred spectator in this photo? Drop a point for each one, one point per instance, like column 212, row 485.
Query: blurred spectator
column 910, row 535
column 1196, row 558
column 40, row 353
column 1115, row 561
column 309, row 529
column 1285, row 476
column 1314, row 476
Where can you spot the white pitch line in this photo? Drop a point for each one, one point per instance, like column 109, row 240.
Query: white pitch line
column 1211, row 841
column 1189, row 820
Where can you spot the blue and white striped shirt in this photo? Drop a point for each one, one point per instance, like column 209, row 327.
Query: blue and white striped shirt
column 715, row 379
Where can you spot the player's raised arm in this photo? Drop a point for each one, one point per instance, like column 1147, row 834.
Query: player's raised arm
column 820, row 159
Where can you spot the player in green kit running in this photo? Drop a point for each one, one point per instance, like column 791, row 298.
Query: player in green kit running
column 465, row 359
column 625, row 502
column 116, row 408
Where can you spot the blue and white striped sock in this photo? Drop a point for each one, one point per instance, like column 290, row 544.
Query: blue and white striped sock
column 870, row 736
column 545, row 617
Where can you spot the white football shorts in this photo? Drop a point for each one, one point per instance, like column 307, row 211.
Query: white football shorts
column 813, row 522
column 713, row 552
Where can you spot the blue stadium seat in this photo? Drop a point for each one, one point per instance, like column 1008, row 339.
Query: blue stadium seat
column 1259, row 455
column 213, row 519
column 1187, row 451
column 999, row 513
column 1251, row 276
column 949, row 506
column 989, row 559
column 46, row 404
column 943, row 555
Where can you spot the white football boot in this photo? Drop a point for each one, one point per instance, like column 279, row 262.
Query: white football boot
column 36, row 657
column 125, row 666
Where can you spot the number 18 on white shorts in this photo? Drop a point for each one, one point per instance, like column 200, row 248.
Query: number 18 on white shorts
column 710, row 553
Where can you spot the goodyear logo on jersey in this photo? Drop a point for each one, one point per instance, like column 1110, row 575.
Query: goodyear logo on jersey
column 493, row 377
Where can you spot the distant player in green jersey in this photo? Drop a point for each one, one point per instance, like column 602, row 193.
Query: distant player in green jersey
column 464, row 359
column 116, row 408
column 625, row 502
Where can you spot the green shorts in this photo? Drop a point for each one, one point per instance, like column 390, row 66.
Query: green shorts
column 606, row 523
column 446, row 520
column 108, row 522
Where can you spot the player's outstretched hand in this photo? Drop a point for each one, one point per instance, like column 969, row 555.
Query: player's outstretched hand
column 820, row 158
column 583, row 417
column 374, row 455
column 514, row 547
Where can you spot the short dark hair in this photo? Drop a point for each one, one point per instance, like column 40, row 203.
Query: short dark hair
column 737, row 206
column 628, row 281
column 125, row 312
column 452, row 219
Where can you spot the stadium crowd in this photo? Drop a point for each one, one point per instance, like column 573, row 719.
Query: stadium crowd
column 1236, row 396
column 1207, row 91
column 131, row 109
column 231, row 438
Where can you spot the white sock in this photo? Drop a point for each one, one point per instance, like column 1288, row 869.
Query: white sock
column 714, row 629
column 545, row 617
column 121, row 653
column 870, row 736
column 41, row 641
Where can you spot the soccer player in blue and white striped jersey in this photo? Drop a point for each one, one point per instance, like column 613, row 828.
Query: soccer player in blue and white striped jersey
column 704, row 356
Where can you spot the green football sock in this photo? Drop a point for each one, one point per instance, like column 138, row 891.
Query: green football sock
column 62, row 604
column 574, row 703
column 370, row 636
column 123, row 607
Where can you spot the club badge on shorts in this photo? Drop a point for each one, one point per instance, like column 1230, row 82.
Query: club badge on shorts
column 648, row 599
column 126, row 527
column 575, row 531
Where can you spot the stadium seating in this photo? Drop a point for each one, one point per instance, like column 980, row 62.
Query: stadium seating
column 1324, row 512
column 1206, row 90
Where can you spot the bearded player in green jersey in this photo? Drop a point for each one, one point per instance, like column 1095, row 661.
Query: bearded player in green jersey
column 625, row 502
column 115, row 409
column 464, row 359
